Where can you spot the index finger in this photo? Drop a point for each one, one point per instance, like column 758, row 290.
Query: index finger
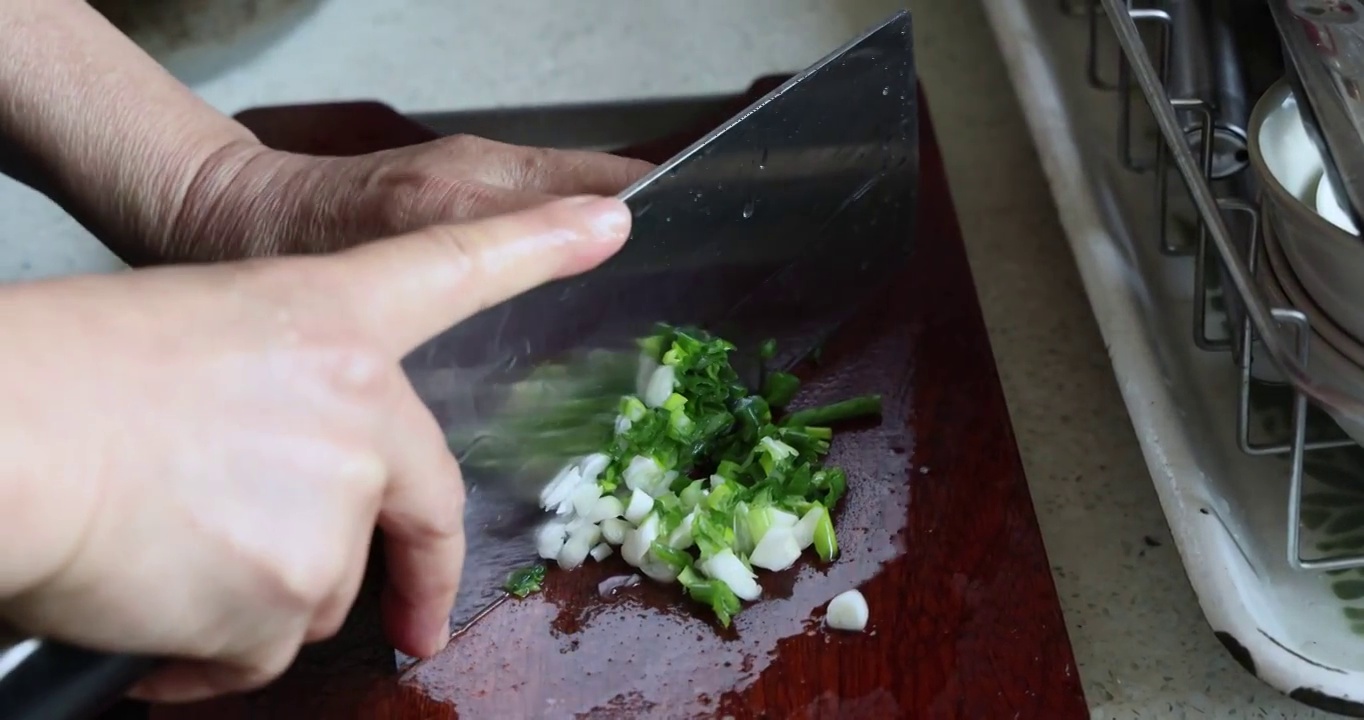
column 422, row 518
column 572, row 172
column 406, row 290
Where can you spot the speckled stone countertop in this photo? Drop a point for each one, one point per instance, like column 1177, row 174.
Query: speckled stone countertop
column 1143, row 647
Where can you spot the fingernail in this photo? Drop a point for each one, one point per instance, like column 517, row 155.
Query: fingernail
column 579, row 200
column 444, row 638
column 608, row 219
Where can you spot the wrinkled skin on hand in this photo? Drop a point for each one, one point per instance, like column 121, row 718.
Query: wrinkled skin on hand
column 202, row 453
column 249, row 200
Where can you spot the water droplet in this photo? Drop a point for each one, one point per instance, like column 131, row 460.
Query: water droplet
column 748, row 209
column 885, row 91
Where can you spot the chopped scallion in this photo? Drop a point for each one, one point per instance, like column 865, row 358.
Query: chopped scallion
column 696, row 482
column 525, row 581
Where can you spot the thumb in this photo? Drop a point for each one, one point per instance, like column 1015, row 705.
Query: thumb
column 410, row 288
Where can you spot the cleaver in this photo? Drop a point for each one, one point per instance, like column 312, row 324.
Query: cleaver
column 778, row 225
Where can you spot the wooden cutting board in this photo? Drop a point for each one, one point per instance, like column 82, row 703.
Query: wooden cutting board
column 937, row 530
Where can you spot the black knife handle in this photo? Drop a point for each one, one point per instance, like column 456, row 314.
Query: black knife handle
column 61, row 682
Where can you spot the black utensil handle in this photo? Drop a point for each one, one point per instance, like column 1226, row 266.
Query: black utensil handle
column 61, row 682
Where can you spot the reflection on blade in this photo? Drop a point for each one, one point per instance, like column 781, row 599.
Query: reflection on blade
column 777, row 225
column 558, row 411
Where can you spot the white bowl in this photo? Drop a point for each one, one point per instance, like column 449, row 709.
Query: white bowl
column 1328, row 260
column 1298, row 297
column 1287, row 150
column 1329, row 207
column 1325, row 363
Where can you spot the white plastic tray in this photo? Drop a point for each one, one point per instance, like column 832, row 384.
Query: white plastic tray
column 1299, row 631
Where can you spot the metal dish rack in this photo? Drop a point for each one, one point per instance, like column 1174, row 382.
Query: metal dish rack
column 1279, row 334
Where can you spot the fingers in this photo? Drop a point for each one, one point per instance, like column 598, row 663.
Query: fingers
column 500, row 202
column 184, row 681
column 545, row 170
column 571, row 172
column 406, row 290
column 441, row 201
column 423, row 522
column 422, row 518
column 191, row 680
column 331, row 614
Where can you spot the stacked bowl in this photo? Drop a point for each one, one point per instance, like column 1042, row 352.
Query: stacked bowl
column 1311, row 254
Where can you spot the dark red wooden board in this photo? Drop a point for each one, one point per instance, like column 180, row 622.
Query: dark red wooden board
column 937, row 530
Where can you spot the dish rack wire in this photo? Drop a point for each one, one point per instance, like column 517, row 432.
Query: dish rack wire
column 1281, row 333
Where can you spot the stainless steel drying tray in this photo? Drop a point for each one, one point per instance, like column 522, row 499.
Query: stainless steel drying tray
column 1297, row 626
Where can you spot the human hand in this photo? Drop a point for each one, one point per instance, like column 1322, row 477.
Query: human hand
column 160, row 176
column 197, row 456
column 249, row 200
